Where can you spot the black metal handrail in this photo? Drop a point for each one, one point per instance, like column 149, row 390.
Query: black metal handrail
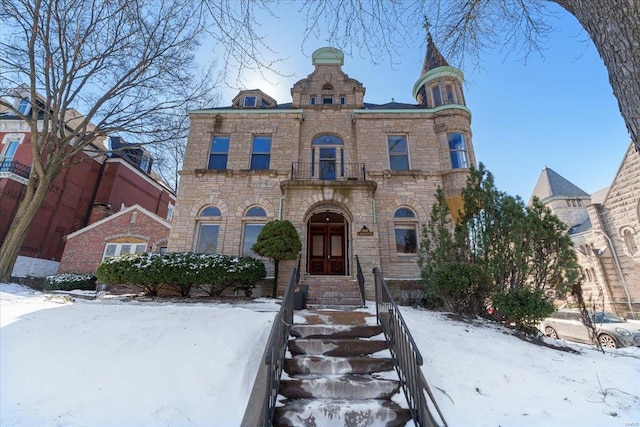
column 277, row 347
column 360, row 277
column 406, row 357
column 15, row 167
column 328, row 170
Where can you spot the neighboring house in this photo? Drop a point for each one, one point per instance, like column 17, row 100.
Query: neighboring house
column 605, row 230
column 355, row 179
column 93, row 188
column 132, row 230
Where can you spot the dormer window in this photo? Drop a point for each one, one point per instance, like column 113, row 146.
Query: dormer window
column 24, row 107
column 249, row 101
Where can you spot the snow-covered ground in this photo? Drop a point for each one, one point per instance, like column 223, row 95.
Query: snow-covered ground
column 115, row 363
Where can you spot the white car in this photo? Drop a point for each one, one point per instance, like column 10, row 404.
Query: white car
column 612, row 331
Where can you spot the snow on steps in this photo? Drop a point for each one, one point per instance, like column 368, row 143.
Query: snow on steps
column 339, row 375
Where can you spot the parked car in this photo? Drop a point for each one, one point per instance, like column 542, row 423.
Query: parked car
column 612, row 331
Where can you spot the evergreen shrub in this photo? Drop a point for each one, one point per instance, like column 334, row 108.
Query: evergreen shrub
column 182, row 271
column 523, row 307
column 71, row 281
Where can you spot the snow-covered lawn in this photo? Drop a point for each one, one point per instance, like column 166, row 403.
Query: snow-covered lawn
column 115, row 363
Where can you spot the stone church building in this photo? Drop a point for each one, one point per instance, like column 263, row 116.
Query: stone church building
column 356, row 179
column 604, row 228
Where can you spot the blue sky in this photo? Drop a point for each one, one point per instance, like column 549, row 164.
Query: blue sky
column 557, row 111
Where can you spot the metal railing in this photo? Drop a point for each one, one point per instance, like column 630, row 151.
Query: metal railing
column 406, row 357
column 360, row 277
column 15, row 167
column 277, row 347
column 328, row 170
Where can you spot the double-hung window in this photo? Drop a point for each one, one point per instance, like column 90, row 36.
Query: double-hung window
column 261, row 153
column 458, row 151
column 398, row 152
column 219, row 152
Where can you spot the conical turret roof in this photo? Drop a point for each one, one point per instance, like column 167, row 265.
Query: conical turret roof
column 432, row 58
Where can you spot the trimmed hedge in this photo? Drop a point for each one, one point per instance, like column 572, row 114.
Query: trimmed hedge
column 70, row 282
column 182, row 271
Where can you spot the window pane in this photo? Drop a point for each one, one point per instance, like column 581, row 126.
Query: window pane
column 210, row 211
column 208, row 238
column 141, row 248
column 256, row 211
column 260, row 162
column 23, row 108
column 261, row 144
column 399, row 163
column 397, row 145
column 406, row 241
column 458, row 159
column 404, row 213
column 125, row 249
column 220, row 144
column 218, row 161
column 336, row 246
column 437, row 96
column 110, row 251
column 251, row 232
column 318, row 245
column 456, row 141
column 249, row 101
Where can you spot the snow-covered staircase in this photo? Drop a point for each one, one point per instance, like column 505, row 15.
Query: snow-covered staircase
column 340, row 374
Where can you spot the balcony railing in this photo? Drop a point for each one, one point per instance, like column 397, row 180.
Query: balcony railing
column 328, row 170
column 16, row 168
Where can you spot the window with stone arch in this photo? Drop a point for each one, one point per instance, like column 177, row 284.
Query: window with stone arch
column 629, row 237
column 208, row 230
column 405, row 225
column 253, row 220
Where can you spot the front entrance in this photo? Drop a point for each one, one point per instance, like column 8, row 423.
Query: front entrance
column 327, row 244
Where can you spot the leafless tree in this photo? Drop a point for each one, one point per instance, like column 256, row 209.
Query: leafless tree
column 127, row 65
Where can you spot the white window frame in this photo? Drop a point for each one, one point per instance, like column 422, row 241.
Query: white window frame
column 134, row 248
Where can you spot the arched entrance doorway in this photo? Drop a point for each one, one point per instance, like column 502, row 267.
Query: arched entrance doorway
column 327, row 244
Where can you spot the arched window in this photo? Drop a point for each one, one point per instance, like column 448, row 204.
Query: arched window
column 208, row 230
column 253, row 220
column 405, row 227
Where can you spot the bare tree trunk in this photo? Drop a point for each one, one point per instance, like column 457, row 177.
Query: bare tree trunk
column 613, row 26
column 34, row 196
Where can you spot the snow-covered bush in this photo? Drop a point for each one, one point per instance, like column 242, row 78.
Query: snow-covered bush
column 181, row 271
column 71, row 281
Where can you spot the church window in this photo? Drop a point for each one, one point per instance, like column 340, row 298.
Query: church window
column 457, row 151
column 261, row 153
column 219, row 153
column 398, row 152
column 406, row 231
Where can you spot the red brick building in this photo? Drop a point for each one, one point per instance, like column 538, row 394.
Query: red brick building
column 95, row 187
column 131, row 230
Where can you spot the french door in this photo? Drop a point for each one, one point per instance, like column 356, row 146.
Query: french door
column 327, row 249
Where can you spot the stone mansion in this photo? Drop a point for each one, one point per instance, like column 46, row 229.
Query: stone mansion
column 355, row 179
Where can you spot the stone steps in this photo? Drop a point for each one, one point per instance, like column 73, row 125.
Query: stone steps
column 340, row 373
column 336, row 292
